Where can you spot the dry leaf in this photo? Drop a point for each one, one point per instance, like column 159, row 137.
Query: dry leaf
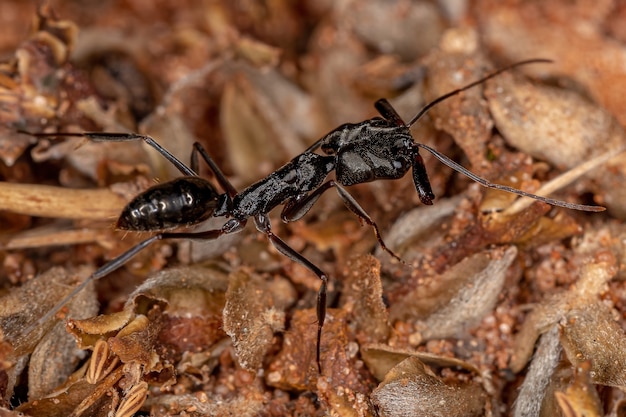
column 411, row 389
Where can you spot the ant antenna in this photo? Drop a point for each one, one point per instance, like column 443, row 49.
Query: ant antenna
column 482, row 181
column 438, row 100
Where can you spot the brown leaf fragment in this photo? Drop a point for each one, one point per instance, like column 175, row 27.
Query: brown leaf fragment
column 135, row 342
column 89, row 332
column 23, row 307
column 412, row 389
column 186, row 291
column 581, row 296
column 363, row 297
column 79, row 399
column 591, row 334
column 251, row 317
column 295, row 367
column 490, row 229
column 580, row 398
column 380, row 359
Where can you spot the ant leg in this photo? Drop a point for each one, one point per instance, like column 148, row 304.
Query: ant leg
column 219, row 175
column 388, row 112
column 438, row 100
column 482, row 181
column 263, row 225
column 231, row 226
column 297, row 207
column 420, row 178
column 122, row 137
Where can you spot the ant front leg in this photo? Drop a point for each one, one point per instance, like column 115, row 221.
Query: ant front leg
column 420, row 177
column 295, row 208
column 263, row 225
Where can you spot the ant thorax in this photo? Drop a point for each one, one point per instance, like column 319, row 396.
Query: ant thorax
column 368, row 151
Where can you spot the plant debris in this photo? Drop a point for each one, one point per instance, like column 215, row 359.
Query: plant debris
column 500, row 306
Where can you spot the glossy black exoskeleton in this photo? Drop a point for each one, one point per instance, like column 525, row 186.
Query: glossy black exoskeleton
column 375, row 149
column 184, row 201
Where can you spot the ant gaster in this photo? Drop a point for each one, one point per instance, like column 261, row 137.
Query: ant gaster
column 379, row 148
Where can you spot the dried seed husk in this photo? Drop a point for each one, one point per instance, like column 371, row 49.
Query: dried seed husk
column 459, row 298
column 411, row 389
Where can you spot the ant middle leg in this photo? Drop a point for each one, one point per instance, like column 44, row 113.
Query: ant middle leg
column 297, row 207
column 219, row 175
column 263, row 225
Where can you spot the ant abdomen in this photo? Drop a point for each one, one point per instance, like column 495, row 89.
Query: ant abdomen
column 184, row 201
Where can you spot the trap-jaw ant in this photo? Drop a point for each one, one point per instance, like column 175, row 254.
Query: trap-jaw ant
column 379, row 148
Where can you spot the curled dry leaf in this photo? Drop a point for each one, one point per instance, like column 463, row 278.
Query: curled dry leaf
column 380, row 359
column 459, row 298
column 194, row 299
column 252, row 314
column 411, row 389
column 175, row 312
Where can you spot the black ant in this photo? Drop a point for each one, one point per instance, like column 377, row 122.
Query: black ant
column 379, row 148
